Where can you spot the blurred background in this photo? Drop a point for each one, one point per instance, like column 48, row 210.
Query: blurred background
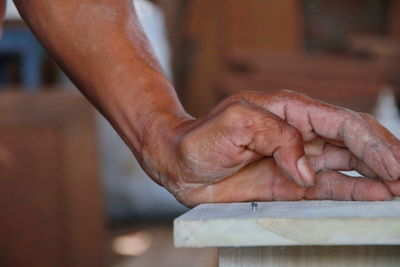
column 71, row 193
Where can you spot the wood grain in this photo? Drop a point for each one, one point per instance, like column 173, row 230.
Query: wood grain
column 290, row 223
column 345, row 256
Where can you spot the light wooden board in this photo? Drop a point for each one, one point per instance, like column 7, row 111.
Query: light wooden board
column 310, row 256
column 290, row 223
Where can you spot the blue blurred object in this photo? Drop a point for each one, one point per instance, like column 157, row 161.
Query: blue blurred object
column 20, row 41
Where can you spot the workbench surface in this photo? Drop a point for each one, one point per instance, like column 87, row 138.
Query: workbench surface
column 290, row 223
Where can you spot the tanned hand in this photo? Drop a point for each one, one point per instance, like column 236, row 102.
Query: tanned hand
column 269, row 146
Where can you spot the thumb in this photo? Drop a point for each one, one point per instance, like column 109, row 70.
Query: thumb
column 269, row 135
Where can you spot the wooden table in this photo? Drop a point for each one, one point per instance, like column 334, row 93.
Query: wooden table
column 304, row 233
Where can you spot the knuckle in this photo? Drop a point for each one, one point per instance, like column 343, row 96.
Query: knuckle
column 286, row 95
column 352, row 115
column 356, row 120
column 236, row 109
column 238, row 114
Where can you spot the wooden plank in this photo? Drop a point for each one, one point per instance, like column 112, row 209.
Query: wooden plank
column 290, row 223
column 306, row 256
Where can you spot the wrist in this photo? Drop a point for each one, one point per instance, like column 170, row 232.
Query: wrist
column 153, row 109
column 148, row 116
column 156, row 150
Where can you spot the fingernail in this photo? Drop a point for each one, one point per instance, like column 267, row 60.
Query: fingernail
column 305, row 171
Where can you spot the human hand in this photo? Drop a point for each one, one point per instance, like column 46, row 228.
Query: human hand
column 226, row 156
column 263, row 180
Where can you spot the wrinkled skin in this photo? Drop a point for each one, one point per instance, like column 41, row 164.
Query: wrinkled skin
column 248, row 147
column 252, row 146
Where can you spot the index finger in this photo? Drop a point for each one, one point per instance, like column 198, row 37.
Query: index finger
column 373, row 144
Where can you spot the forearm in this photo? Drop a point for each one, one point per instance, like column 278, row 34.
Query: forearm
column 102, row 48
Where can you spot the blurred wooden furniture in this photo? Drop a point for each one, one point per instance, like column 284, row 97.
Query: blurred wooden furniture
column 50, row 198
column 271, row 38
column 394, row 20
column 350, row 82
column 216, row 29
column 300, row 233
